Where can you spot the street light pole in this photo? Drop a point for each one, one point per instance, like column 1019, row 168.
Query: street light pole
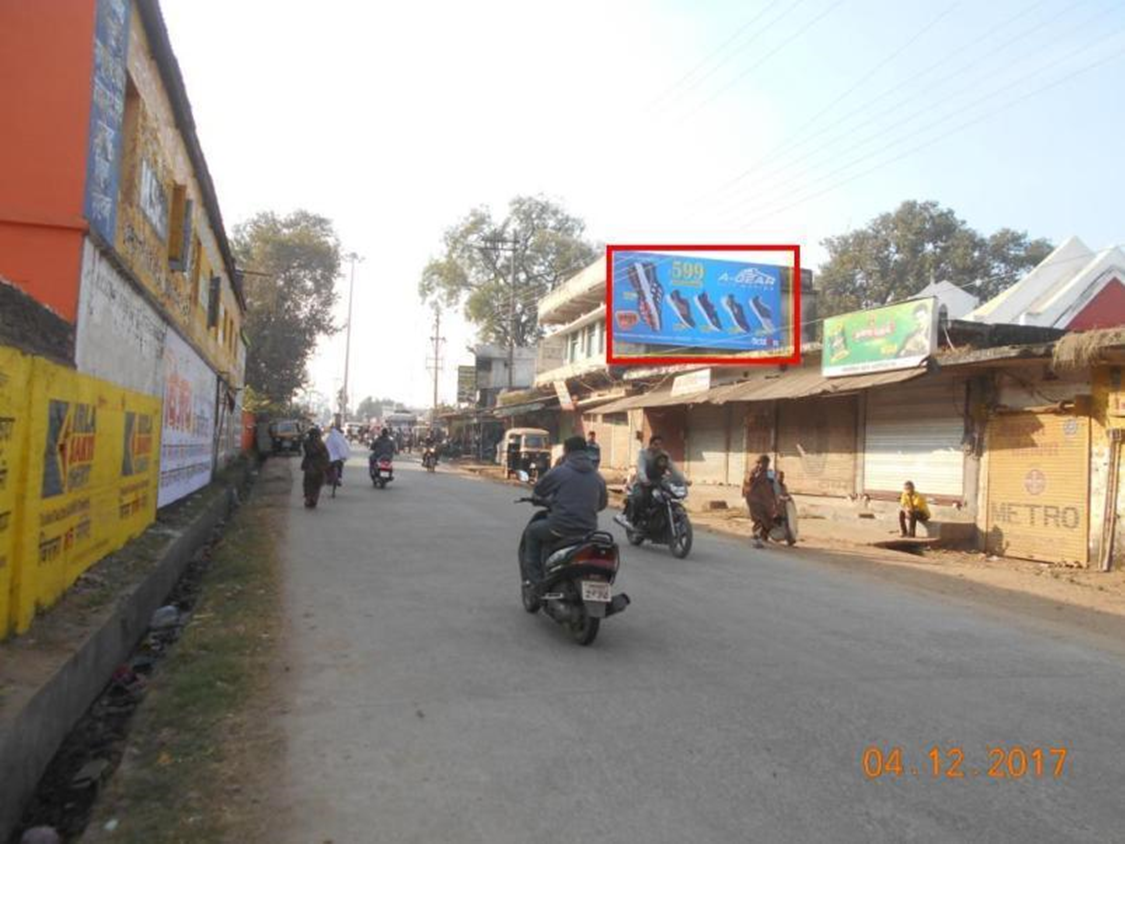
column 512, row 319
column 353, row 258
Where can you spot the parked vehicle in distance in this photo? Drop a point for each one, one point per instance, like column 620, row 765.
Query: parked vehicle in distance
column 286, row 436
column 526, row 449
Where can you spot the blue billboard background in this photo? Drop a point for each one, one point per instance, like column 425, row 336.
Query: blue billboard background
column 683, row 301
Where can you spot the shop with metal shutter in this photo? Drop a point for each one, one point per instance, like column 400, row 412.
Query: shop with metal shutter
column 914, row 432
column 707, row 444
column 737, row 415
column 1039, row 486
column 816, row 440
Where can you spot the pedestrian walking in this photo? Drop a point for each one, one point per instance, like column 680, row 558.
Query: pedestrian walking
column 315, row 466
column 338, row 452
column 593, row 449
column 761, row 499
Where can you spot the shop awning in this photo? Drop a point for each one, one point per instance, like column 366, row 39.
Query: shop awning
column 526, row 407
column 805, row 382
column 658, row 398
column 770, row 384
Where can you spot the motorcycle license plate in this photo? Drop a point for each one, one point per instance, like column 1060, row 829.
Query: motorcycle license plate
column 595, row 591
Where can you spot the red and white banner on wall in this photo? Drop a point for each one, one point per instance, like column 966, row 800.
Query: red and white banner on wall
column 187, row 440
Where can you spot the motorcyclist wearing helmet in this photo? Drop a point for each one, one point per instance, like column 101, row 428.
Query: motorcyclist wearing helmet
column 574, row 493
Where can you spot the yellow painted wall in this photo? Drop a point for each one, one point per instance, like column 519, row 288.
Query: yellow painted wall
column 15, row 370
column 154, row 145
column 85, row 456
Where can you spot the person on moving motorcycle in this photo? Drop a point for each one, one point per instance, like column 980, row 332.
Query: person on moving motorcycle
column 574, row 493
column 383, row 446
column 429, row 444
column 653, row 464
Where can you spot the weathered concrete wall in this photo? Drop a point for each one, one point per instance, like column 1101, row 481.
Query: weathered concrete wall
column 120, row 337
column 156, row 160
column 33, row 328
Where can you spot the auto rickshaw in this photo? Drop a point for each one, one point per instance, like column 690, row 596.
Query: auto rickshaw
column 524, row 449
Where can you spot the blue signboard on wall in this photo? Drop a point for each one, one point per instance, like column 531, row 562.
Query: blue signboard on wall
column 107, row 115
column 683, row 301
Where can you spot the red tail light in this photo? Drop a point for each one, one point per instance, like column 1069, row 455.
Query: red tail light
column 594, row 555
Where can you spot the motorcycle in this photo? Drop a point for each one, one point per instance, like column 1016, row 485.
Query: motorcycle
column 663, row 521
column 430, row 459
column 577, row 587
column 381, row 469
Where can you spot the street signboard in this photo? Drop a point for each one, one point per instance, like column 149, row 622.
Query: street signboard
column 690, row 383
column 566, row 402
column 683, row 301
column 466, row 384
column 876, row 340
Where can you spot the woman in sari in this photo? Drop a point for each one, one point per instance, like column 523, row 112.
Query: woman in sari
column 761, row 499
column 315, row 466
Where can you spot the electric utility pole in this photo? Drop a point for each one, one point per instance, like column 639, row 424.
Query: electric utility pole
column 353, row 258
column 435, row 361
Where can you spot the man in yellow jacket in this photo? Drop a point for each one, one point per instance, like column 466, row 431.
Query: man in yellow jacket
column 914, row 510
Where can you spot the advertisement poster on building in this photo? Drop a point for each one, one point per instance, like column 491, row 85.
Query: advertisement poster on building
column 466, row 384
column 187, row 436
column 107, row 112
column 85, row 452
column 897, row 336
column 679, row 300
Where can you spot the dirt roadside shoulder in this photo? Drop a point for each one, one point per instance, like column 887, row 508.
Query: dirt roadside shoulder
column 203, row 749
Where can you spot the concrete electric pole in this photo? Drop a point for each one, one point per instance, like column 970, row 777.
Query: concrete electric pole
column 353, row 258
column 435, row 361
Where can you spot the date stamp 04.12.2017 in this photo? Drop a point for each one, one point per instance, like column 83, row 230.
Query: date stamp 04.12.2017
column 1000, row 762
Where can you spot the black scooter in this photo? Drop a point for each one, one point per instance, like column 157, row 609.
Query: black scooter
column 664, row 520
column 577, row 587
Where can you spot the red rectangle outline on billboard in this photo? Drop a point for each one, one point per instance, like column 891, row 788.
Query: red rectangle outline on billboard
column 691, row 359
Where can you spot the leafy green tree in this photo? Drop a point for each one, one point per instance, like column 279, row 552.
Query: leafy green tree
column 374, row 408
column 898, row 253
column 475, row 267
column 291, row 264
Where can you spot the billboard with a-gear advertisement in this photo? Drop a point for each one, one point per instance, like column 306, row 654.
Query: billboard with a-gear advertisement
column 679, row 300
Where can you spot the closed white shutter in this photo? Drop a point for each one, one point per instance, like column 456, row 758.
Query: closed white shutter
column 736, row 466
column 707, row 444
column 913, row 433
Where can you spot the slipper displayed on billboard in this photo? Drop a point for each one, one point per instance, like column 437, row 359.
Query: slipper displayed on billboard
column 762, row 313
column 642, row 275
column 737, row 313
column 710, row 313
column 682, row 307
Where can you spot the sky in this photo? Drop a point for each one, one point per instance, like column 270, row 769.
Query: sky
column 671, row 121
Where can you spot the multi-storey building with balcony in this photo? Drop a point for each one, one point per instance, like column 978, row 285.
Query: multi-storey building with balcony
column 108, row 216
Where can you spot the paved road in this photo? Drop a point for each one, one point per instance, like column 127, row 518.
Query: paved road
column 732, row 702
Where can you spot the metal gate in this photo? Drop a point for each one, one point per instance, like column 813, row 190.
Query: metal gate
column 914, row 432
column 816, row 445
column 1039, row 486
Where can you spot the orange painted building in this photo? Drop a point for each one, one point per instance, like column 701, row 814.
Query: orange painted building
column 105, row 153
column 47, row 50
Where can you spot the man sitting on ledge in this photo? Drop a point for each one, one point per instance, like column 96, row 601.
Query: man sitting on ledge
column 914, row 510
